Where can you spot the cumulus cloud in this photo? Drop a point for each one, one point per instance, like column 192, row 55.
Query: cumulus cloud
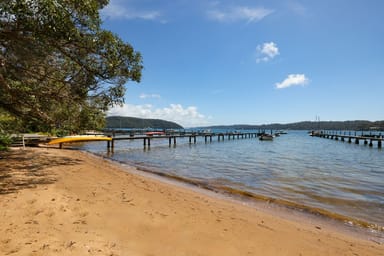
column 239, row 13
column 293, row 80
column 119, row 10
column 149, row 96
column 185, row 116
column 266, row 52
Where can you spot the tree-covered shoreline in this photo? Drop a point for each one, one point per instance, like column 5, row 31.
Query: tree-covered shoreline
column 356, row 125
column 116, row 122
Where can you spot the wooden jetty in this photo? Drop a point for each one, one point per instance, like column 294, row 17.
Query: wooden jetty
column 172, row 138
column 22, row 140
column 367, row 139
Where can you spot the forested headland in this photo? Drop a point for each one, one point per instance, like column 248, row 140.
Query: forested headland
column 356, row 125
column 116, row 122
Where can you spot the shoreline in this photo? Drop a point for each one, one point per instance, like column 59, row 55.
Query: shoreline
column 278, row 207
column 61, row 201
column 348, row 223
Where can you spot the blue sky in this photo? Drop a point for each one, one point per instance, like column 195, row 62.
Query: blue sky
column 210, row 62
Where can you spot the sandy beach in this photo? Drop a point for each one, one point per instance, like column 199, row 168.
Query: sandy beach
column 66, row 202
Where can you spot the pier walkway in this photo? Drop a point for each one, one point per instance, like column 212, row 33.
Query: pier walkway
column 347, row 136
column 172, row 138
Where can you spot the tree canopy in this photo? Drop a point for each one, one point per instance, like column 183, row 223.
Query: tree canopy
column 58, row 68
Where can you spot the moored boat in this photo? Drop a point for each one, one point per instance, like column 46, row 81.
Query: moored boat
column 266, row 137
column 154, row 133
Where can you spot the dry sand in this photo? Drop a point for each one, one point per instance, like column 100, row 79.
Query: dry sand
column 65, row 202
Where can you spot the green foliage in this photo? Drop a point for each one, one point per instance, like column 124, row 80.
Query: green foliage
column 7, row 122
column 5, row 141
column 57, row 65
column 139, row 123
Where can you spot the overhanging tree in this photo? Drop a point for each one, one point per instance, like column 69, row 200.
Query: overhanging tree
column 58, row 68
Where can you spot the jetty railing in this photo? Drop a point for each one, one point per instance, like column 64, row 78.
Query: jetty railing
column 367, row 139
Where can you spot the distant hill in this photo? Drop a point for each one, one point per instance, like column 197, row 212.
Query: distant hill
column 356, row 125
column 139, row 123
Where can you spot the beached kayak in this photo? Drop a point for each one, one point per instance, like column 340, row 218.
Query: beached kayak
column 80, row 138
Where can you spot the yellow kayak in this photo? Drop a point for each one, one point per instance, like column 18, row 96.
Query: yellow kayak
column 81, row 138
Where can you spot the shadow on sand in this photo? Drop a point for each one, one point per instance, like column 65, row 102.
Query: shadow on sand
column 21, row 169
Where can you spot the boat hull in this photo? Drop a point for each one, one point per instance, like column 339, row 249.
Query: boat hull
column 266, row 137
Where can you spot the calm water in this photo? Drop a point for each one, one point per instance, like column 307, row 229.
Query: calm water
column 312, row 173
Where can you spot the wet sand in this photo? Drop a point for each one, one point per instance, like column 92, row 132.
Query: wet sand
column 66, row 202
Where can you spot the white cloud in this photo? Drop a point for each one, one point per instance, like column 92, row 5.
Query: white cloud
column 149, row 96
column 118, row 10
column 266, row 52
column 293, row 80
column 187, row 117
column 239, row 13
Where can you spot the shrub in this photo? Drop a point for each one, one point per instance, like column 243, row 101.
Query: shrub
column 5, row 142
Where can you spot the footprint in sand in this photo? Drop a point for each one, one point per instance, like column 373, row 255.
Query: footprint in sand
column 38, row 212
column 32, row 201
column 84, row 222
column 14, row 250
column 124, row 198
column 50, row 214
column 83, row 214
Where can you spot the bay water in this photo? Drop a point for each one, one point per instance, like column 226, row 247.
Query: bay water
column 338, row 179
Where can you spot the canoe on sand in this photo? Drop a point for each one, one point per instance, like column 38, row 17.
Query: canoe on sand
column 81, row 138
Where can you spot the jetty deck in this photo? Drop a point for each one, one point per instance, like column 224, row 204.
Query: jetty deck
column 367, row 139
column 193, row 137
